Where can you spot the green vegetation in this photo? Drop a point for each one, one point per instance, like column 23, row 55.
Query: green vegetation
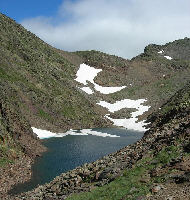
column 44, row 115
column 8, row 151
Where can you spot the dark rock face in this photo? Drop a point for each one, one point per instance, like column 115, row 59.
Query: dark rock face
column 18, row 145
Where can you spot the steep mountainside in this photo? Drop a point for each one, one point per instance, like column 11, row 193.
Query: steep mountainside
column 36, row 89
column 43, row 81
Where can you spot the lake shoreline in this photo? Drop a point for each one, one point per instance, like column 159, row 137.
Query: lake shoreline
column 20, row 171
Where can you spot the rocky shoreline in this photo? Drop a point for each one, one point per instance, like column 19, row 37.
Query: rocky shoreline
column 12, row 174
column 17, row 172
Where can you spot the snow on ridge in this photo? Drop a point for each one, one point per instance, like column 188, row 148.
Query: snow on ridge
column 168, row 57
column 42, row 134
column 87, row 73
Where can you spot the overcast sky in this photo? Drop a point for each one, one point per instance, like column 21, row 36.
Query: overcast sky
column 120, row 27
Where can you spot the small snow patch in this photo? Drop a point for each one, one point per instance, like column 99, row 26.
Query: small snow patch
column 108, row 90
column 162, row 51
column 168, row 57
column 96, row 133
column 87, row 90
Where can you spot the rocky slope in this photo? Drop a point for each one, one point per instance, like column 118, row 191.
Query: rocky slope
column 18, row 144
column 156, row 167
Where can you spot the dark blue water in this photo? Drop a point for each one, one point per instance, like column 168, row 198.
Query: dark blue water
column 68, row 152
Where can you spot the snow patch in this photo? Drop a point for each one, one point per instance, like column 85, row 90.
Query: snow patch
column 168, row 57
column 87, row 90
column 130, row 123
column 107, row 90
column 96, row 133
column 42, row 134
column 118, row 105
column 162, row 51
column 87, row 73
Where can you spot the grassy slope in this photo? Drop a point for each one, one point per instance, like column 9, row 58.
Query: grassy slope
column 43, row 80
column 138, row 181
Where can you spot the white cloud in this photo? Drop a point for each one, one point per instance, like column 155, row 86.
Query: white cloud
column 122, row 27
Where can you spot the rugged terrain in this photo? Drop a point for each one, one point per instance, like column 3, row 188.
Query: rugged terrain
column 156, row 167
column 38, row 89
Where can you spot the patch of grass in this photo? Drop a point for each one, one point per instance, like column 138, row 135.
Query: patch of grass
column 8, row 151
column 5, row 161
column 44, row 114
column 167, row 154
